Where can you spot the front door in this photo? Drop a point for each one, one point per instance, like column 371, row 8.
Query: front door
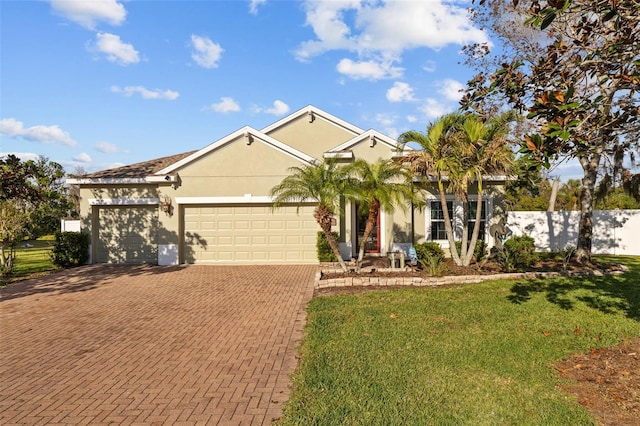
column 373, row 242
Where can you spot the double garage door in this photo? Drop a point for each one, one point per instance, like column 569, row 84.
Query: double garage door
column 248, row 234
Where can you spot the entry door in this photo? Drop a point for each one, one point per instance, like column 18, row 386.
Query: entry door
column 373, row 242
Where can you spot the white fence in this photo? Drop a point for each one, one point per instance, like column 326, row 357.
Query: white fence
column 614, row 231
column 69, row 225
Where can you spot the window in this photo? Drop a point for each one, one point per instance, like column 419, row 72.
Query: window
column 435, row 219
column 438, row 231
column 473, row 205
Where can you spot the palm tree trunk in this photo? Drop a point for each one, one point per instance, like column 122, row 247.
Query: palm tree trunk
column 324, row 219
column 476, row 230
column 464, row 243
column 374, row 208
column 447, row 226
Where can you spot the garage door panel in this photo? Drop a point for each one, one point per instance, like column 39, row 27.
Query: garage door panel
column 249, row 234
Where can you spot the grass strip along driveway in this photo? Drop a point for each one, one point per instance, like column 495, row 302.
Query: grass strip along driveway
column 479, row 354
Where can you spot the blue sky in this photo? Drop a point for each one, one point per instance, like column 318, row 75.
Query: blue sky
column 98, row 84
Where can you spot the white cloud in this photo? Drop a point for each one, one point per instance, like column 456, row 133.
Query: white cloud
column 400, row 92
column 412, row 118
column 385, row 120
column 115, row 50
column 206, row 52
column 380, row 31
column 47, row 134
column 370, row 70
column 24, row 156
column 225, row 105
column 451, row 89
column 89, row 13
column 83, row 157
column 146, row 93
column 253, row 6
column 106, row 147
column 430, row 66
column 279, row 108
column 433, row 109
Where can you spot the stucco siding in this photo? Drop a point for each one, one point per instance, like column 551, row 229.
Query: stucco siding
column 311, row 138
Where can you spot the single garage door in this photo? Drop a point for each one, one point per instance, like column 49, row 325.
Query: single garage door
column 126, row 234
column 250, row 234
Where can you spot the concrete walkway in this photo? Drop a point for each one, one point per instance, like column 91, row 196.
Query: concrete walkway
column 152, row 345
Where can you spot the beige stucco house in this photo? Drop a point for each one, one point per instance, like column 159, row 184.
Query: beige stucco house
column 211, row 206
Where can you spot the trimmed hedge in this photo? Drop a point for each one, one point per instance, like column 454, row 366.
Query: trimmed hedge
column 70, row 249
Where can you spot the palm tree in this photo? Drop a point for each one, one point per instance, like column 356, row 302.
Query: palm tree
column 322, row 183
column 484, row 151
column 381, row 185
column 437, row 158
column 462, row 149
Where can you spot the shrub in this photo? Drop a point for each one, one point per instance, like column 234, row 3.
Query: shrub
column 70, row 249
column 429, row 250
column 479, row 252
column 518, row 253
column 430, row 256
column 325, row 254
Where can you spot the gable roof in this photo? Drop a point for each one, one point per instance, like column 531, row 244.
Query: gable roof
column 160, row 168
column 252, row 135
column 313, row 113
column 372, row 135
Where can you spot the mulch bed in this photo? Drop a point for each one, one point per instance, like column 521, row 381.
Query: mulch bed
column 607, row 382
column 375, row 266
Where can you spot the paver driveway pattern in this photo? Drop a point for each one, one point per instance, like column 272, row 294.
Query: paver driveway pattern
column 152, row 345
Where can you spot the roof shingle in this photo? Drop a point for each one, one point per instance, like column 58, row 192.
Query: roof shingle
column 138, row 170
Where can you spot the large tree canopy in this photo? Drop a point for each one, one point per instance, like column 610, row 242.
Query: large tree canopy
column 32, row 202
column 579, row 85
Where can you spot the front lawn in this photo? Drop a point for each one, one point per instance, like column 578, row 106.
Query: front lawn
column 33, row 258
column 480, row 354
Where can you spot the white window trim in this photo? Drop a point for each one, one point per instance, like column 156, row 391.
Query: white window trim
column 457, row 217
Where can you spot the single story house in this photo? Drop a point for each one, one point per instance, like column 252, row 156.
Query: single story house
column 211, row 206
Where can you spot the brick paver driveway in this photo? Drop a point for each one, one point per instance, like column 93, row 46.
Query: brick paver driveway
column 152, row 345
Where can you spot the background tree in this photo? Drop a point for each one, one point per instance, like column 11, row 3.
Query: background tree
column 18, row 195
column 581, row 92
column 54, row 201
column 381, row 185
column 33, row 200
column 322, row 183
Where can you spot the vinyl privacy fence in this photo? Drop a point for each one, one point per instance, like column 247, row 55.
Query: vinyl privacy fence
column 615, row 232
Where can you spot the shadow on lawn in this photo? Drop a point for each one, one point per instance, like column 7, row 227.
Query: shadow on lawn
column 82, row 278
column 608, row 294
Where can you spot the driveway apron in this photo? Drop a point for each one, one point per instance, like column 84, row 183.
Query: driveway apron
column 152, row 345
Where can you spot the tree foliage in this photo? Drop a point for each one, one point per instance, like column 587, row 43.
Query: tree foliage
column 384, row 185
column 322, row 183
column 579, row 86
column 32, row 202
column 458, row 150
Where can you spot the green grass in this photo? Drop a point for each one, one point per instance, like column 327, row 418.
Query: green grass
column 478, row 354
column 32, row 260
